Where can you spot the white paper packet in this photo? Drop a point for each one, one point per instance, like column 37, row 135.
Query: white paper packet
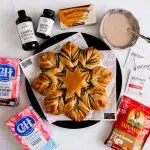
column 142, row 64
column 134, row 53
column 140, row 50
column 137, row 83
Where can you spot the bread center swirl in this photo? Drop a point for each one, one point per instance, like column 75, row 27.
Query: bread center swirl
column 74, row 81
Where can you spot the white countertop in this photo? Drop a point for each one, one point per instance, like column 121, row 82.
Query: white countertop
column 90, row 138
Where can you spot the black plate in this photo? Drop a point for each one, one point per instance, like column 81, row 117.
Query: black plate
column 91, row 41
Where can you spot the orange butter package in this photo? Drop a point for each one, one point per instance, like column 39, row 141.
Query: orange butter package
column 77, row 16
column 132, row 127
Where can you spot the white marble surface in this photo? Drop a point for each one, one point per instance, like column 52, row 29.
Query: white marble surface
column 81, row 139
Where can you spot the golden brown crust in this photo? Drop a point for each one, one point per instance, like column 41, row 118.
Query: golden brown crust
column 95, row 98
column 41, row 84
column 89, row 58
column 54, row 103
column 101, row 76
column 50, row 60
column 76, row 109
column 71, row 82
column 69, row 54
column 46, row 82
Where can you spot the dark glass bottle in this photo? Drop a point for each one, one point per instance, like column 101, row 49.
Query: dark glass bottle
column 26, row 31
column 45, row 24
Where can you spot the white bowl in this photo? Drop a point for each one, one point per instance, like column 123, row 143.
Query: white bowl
column 133, row 21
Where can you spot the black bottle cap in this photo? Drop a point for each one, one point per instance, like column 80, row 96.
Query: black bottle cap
column 21, row 13
column 48, row 12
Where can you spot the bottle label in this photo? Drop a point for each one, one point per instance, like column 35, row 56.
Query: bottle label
column 26, row 32
column 45, row 26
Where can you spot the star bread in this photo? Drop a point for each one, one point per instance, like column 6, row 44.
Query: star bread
column 72, row 81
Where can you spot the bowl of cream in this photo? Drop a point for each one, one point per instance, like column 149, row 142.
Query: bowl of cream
column 114, row 29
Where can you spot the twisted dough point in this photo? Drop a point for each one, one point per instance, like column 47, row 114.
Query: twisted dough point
column 41, row 84
column 50, row 60
column 46, row 82
column 101, row 76
column 54, row 103
column 89, row 58
column 75, row 109
column 69, row 54
column 95, row 98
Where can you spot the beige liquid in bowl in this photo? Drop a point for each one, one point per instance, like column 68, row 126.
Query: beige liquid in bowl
column 115, row 30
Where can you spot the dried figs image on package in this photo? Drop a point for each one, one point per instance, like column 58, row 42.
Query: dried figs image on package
column 72, row 81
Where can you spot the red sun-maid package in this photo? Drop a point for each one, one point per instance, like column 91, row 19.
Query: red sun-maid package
column 9, row 81
column 132, row 127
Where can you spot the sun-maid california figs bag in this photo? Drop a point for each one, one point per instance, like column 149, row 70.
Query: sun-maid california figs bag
column 132, row 127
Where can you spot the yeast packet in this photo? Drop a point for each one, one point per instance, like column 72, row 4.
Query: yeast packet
column 137, row 83
column 143, row 64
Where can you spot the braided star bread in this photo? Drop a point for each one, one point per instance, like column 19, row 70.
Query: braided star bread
column 72, row 82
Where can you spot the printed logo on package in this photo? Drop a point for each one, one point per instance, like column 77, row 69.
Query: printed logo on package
column 24, row 126
column 7, row 72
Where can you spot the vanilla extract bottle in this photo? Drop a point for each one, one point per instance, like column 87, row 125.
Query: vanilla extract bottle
column 26, row 31
column 45, row 25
